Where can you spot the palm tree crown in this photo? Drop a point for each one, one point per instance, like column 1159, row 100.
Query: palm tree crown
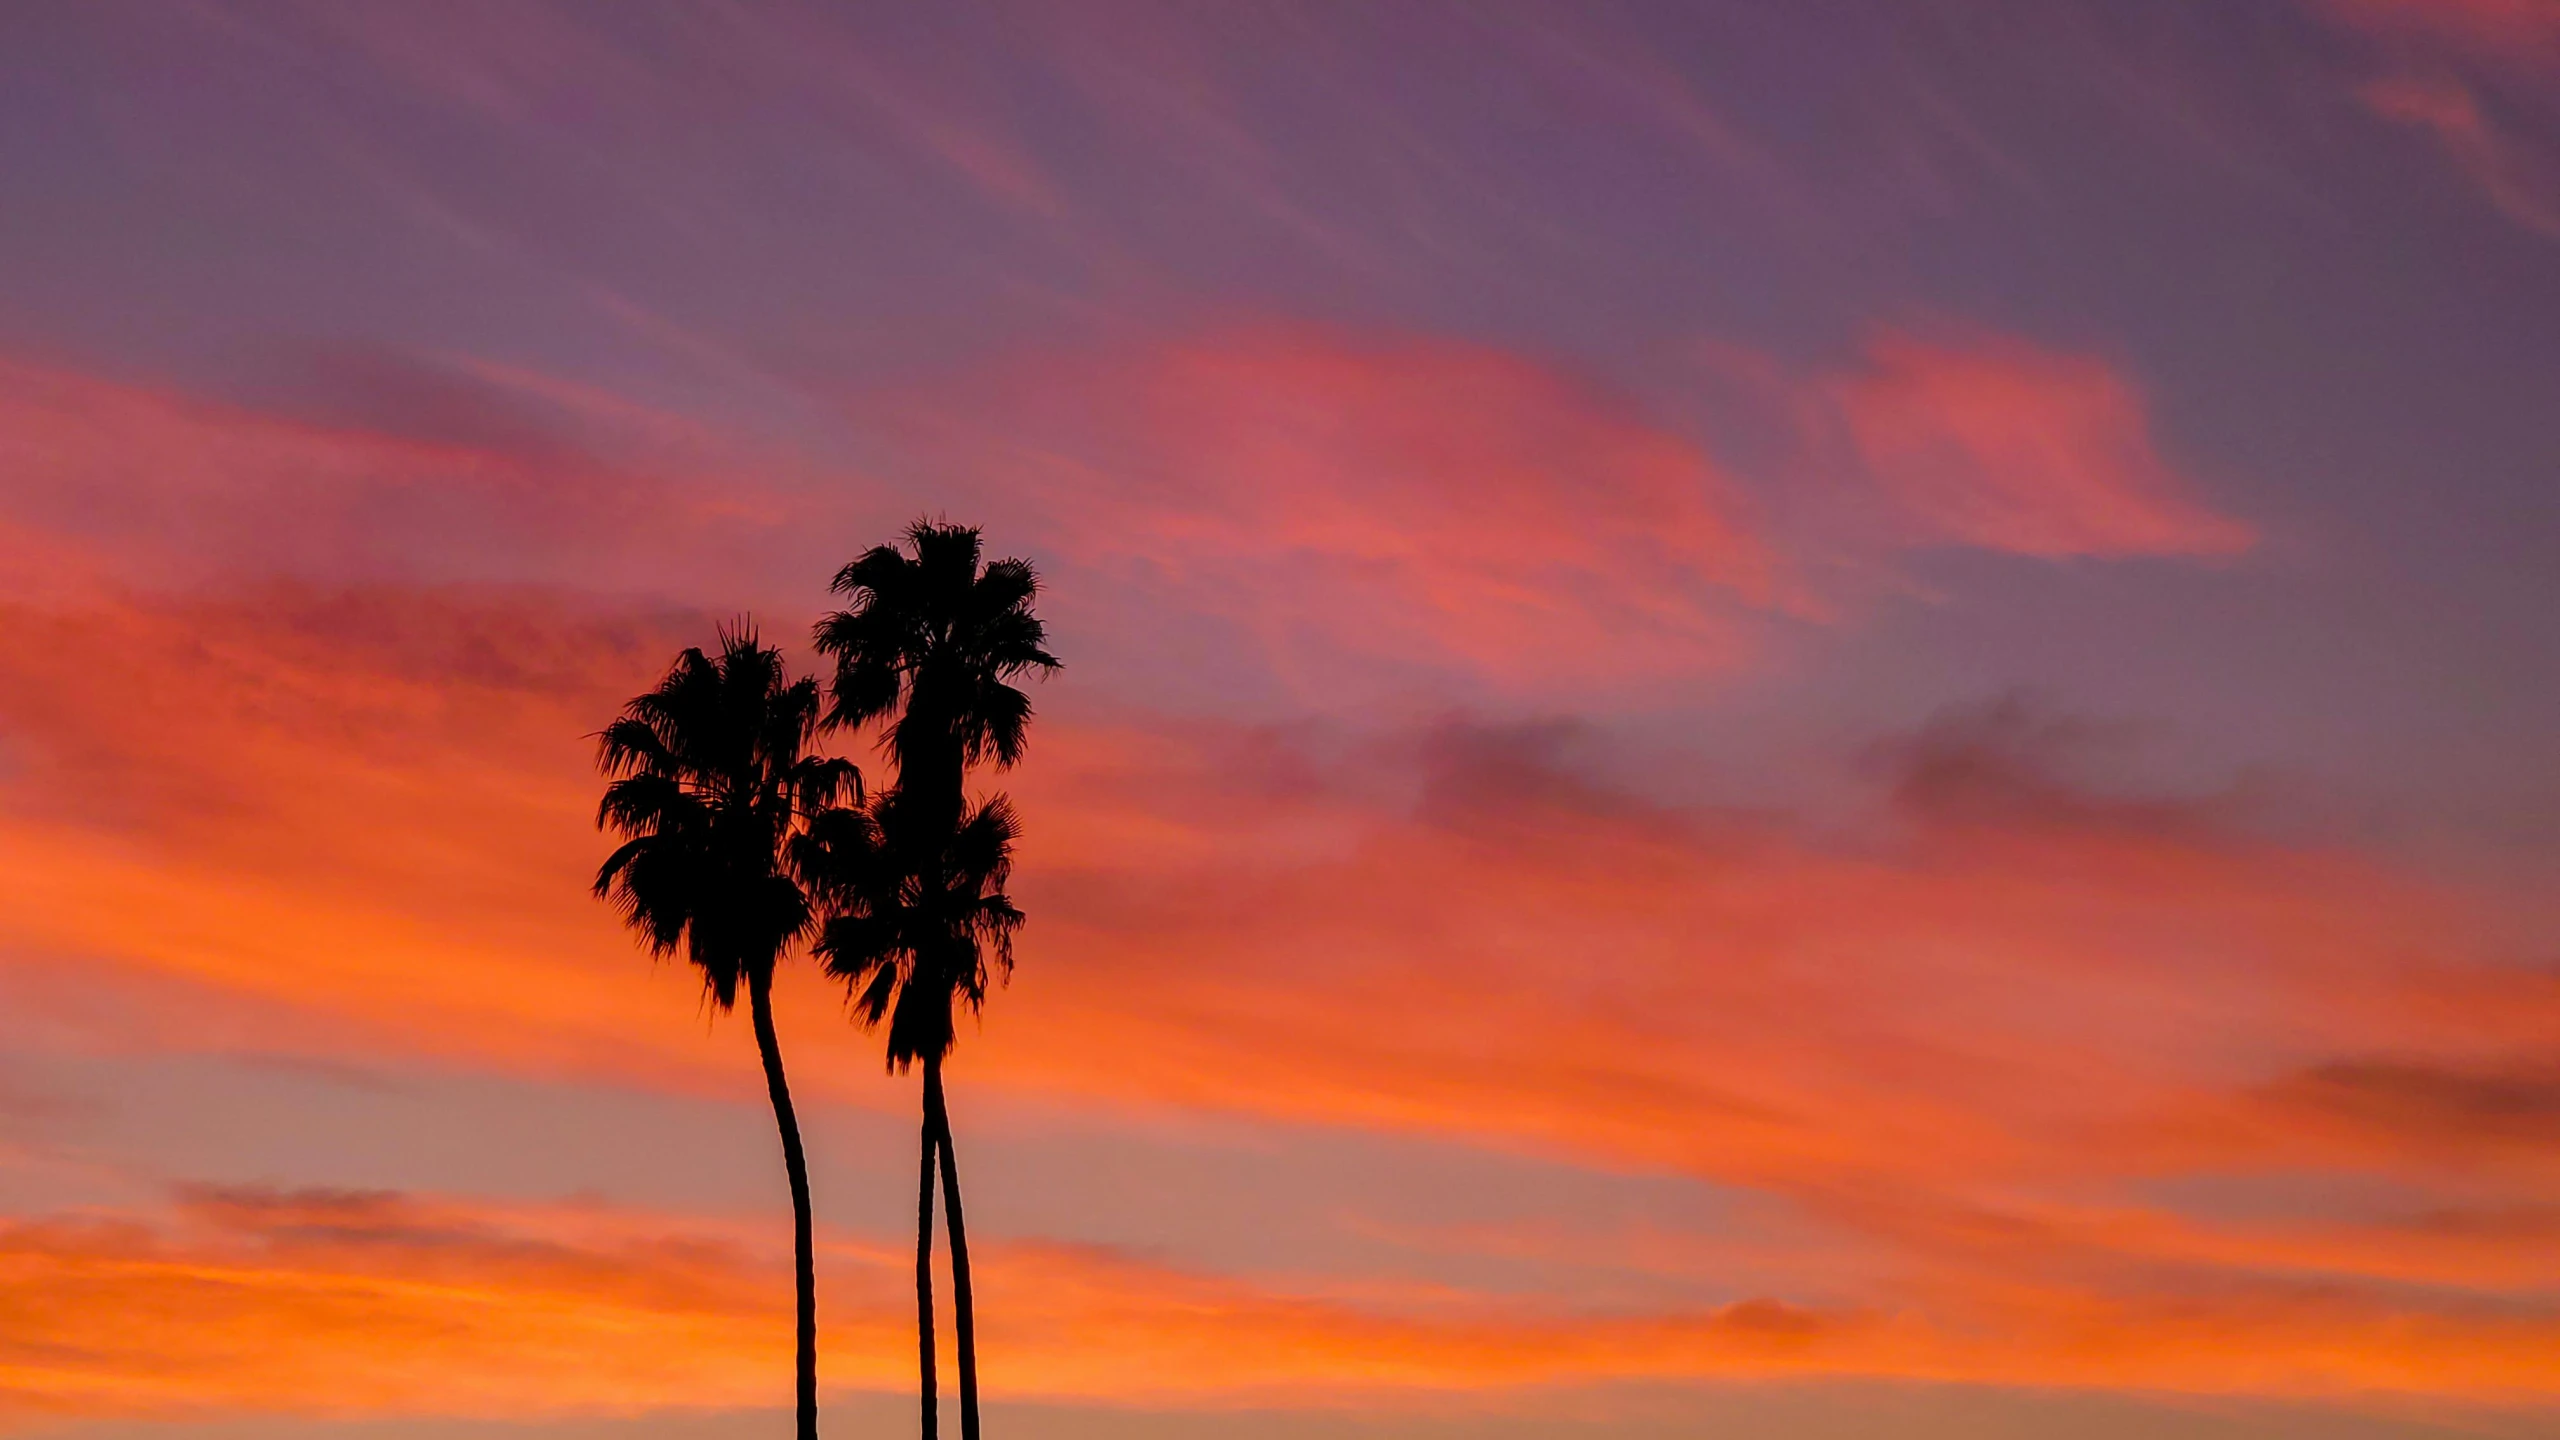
column 929, row 647
column 918, row 919
column 711, row 777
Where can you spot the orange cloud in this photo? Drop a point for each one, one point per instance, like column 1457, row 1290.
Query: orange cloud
column 1994, row 442
column 357, row 821
column 282, row 1302
column 337, row 1303
column 362, row 821
column 366, row 816
column 374, row 806
column 1565, row 967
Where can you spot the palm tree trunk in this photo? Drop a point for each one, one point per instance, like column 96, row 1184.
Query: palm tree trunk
column 924, row 1272
column 796, row 1163
column 964, row 1320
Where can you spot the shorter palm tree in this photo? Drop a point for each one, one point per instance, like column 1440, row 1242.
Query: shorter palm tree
column 712, row 785
column 917, row 924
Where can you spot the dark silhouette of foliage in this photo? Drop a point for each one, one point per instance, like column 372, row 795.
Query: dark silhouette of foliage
column 928, row 649
column 712, row 785
column 918, row 924
column 917, row 916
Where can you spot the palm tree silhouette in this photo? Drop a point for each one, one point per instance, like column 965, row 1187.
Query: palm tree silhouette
column 917, row 922
column 930, row 645
column 712, row 783
column 928, row 649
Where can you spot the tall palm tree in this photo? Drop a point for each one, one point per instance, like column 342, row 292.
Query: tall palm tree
column 928, row 649
column 712, row 780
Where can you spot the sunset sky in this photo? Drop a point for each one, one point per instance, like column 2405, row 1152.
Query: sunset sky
column 1801, row 720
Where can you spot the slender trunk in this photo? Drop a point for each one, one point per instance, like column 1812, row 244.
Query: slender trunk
column 803, row 1255
column 964, row 1320
column 924, row 1271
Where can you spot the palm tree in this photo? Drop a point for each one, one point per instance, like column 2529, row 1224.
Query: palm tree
column 713, row 779
column 917, row 923
column 928, row 649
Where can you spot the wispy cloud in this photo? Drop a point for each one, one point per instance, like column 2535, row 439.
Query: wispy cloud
column 1993, row 442
column 334, row 1302
column 2476, row 76
column 2518, row 178
column 1398, row 497
column 1414, row 504
column 2523, row 32
column 375, row 464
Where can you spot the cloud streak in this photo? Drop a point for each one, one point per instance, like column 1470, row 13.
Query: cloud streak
column 2515, row 177
column 1992, row 442
column 338, row 1302
column 2475, row 76
column 1402, row 498
column 397, row 467
column 1382, row 502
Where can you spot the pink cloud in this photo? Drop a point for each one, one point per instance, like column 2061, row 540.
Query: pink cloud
column 2476, row 76
column 415, row 470
column 1404, row 504
column 1994, row 442
column 1416, row 500
column 2516, row 178
column 1405, row 499
column 2513, row 31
